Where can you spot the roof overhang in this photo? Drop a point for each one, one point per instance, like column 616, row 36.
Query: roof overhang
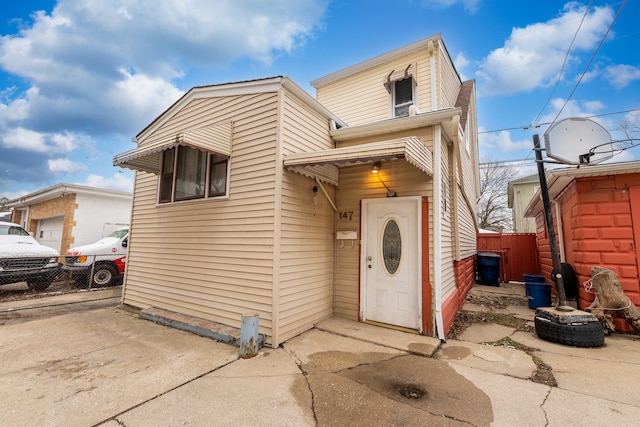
column 559, row 179
column 324, row 165
column 215, row 138
column 60, row 190
column 444, row 117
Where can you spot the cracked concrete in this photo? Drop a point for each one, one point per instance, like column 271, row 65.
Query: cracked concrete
column 109, row 368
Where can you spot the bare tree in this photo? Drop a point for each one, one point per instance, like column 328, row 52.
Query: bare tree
column 492, row 208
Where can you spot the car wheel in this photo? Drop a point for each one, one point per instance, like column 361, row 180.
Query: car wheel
column 104, row 275
column 589, row 334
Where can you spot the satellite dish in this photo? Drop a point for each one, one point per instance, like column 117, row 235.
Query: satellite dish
column 578, row 141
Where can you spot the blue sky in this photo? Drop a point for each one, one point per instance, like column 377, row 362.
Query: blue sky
column 80, row 78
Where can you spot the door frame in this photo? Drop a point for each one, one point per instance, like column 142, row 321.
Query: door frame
column 419, row 266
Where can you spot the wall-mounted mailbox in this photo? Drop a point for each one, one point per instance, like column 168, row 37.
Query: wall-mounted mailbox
column 347, row 235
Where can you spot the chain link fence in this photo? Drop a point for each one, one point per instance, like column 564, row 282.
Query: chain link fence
column 41, row 273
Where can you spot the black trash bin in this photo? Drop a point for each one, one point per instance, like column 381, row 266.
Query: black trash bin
column 488, row 267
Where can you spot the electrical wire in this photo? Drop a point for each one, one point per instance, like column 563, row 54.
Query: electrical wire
column 564, row 63
column 528, row 127
column 573, row 91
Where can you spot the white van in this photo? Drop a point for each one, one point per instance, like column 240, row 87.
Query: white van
column 101, row 263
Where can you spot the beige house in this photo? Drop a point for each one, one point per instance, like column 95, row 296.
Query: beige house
column 255, row 197
column 519, row 194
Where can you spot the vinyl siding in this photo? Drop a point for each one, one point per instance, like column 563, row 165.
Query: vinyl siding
column 357, row 183
column 362, row 98
column 446, row 256
column 307, row 229
column 449, row 80
column 211, row 258
column 467, row 223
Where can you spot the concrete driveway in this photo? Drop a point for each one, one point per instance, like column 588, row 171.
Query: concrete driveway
column 105, row 366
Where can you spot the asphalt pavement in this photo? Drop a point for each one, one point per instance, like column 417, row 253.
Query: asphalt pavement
column 105, row 366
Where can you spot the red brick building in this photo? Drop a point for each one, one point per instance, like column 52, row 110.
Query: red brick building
column 596, row 211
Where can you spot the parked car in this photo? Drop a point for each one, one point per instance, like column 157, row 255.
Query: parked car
column 23, row 259
column 101, row 263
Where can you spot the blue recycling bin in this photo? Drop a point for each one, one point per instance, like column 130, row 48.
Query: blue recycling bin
column 538, row 292
column 488, row 268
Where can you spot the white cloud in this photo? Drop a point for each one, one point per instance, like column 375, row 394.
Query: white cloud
column 107, row 68
column 65, row 166
column 502, row 141
column 119, row 181
column 38, row 142
column 533, row 56
column 25, row 139
column 74, row 57
column 621, row 76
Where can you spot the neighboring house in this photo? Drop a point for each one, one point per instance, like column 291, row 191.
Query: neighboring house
column 519, row 194
column 254, row 197
column 596, row 211
column 67, row 215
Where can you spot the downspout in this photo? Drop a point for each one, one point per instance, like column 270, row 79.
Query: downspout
column 560, row 235
column 457, row 167
column 437, row 227
column 432, row 75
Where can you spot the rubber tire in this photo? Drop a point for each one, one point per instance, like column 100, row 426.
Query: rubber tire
column 104, row 275
column 590, row 334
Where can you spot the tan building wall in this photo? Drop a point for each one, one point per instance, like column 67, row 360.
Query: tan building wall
column 266, row 249
column 369, row 101
column 64, row 206
column 211, row 258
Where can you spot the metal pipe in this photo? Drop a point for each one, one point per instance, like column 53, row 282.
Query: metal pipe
column 546, row 202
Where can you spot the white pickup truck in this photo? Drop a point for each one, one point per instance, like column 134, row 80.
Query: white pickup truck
column 101, row 263
column 23, row 259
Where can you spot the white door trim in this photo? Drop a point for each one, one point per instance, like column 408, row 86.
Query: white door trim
column 363, row 253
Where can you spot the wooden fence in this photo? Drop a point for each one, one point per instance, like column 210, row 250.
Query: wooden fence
column 518, row 253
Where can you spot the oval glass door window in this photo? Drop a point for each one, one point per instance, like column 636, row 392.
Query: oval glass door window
column 391, row 246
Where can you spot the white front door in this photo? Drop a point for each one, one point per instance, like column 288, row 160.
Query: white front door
column 390, row 264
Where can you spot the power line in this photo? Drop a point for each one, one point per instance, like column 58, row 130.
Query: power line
column 573, row 91
column 528, row 127
column 564, row 63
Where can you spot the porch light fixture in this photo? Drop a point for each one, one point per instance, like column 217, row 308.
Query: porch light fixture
column 375, row 169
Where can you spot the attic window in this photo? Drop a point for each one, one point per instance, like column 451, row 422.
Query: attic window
column 401, row 83
column 402, row 97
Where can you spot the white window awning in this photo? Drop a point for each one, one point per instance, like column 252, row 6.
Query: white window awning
column 215, row 138
column 324, row 164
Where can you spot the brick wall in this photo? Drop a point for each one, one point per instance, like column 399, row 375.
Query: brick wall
column 61, row 206
column 465, row 278
column 598, row 228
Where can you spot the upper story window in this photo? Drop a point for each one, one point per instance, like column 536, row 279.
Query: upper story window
column 188, row 174
column 401, row 84
column 402, row 94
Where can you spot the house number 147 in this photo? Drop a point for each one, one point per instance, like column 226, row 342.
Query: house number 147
column 346, row 215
